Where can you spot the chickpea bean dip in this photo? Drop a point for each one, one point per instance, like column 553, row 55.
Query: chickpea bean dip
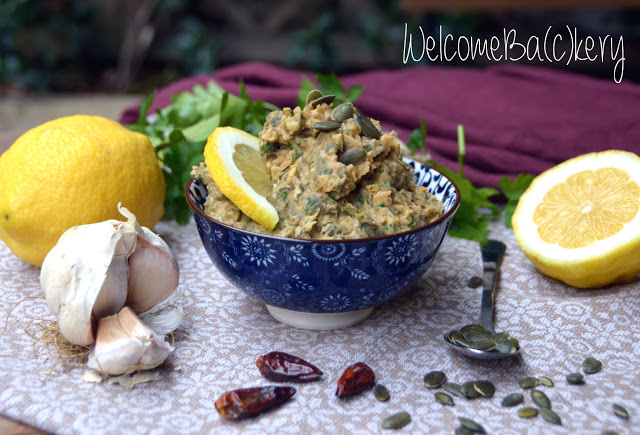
column 331, row 179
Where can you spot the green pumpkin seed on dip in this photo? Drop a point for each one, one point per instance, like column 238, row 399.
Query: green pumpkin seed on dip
column 434, row 379
column 591, row 365
column 463, row 431
column 397, row 420
column 512, row 399
column 527, row 412
column 550, row 416
column 609, row 432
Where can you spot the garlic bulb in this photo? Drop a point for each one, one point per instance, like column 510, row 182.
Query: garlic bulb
column 95, row 269
column 124, row 344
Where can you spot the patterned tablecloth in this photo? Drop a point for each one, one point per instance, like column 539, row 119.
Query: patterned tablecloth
column 557, row 327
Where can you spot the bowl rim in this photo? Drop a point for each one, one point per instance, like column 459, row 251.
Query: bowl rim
column 445, row 216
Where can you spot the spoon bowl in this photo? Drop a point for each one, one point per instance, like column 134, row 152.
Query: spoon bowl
column 492, row 254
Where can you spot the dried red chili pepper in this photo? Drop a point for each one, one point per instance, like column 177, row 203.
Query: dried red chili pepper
column 282, row 367
column 248, row 402
column 356, row 378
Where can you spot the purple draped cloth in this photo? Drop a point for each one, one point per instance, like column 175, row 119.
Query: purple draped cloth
column 516, row 119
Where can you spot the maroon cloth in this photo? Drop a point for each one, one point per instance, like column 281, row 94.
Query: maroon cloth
column 516, row 119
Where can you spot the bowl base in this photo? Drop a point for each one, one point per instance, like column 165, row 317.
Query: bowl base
column 318, row 321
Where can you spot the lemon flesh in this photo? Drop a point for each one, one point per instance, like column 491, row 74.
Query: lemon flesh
column 579, row 222
column 234, row 160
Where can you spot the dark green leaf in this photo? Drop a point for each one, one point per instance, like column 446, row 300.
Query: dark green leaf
column 513, row 190
column 354, row 93
column 144, row 108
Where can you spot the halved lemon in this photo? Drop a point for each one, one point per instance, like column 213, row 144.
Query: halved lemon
column 579, row 222
column 234, row 160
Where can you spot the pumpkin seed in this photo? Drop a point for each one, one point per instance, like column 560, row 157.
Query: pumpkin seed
column 474, row 327
column 444, row 398
column 434, row 379
column 500, row 337
column 367, row 127
column 591, row 365
column 485, row 345
column 353, row 156
column 463, row 431
column 457, row 338
column 475, row 336
column 546, row 381
column 620, row 411
column 454, row 389
column 609, row 432
column 512, row 399
column 575, row 378
column 381, row 393
column 540, row 399
column 471, row 425
column 550, row 416
column 485, row 388
column 326, row 125
column 530, row 382
column 327, row 99
column 475, row 282
column 469, row 390
column 342, row 112
column 313, row 95
column 397, row 420
column 527, row 412
column 513, row 343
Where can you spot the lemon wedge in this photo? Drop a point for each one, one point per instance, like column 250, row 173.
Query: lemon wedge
column 579, row 222
column 234, row 160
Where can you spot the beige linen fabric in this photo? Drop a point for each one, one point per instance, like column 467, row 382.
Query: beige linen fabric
column 557, row 326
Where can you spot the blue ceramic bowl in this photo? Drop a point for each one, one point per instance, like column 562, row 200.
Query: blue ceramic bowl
column 339, row 281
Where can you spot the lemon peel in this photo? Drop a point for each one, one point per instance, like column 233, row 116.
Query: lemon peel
column 579, row 222
column 234, row 160
column 73, row 171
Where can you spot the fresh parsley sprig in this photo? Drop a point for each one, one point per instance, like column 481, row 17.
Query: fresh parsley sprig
column 476, row 208
column 179, row 132
column 329, row 85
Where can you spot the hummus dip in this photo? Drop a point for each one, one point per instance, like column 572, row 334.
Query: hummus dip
column 334, row 183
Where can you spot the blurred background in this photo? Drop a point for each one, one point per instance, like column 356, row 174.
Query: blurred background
column 131, row 47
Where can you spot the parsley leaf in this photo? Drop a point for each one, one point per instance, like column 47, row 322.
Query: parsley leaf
column 417, row 139
column 329, row 85
column 513, row 190
column 179, row 132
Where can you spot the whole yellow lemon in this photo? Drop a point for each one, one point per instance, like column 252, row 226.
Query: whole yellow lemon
column 73, row 171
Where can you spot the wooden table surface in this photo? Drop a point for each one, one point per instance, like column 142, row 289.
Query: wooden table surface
column 19, row 114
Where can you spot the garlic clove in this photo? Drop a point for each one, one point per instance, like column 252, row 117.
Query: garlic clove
column 153, row 276
column 113, row 292
column 74, row 278
column 165, row 321
column 125, row 344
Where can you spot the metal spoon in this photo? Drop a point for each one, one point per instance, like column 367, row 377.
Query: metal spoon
column 492, row 254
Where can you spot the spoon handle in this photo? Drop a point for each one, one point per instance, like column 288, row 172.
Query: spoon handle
column 492, row 253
